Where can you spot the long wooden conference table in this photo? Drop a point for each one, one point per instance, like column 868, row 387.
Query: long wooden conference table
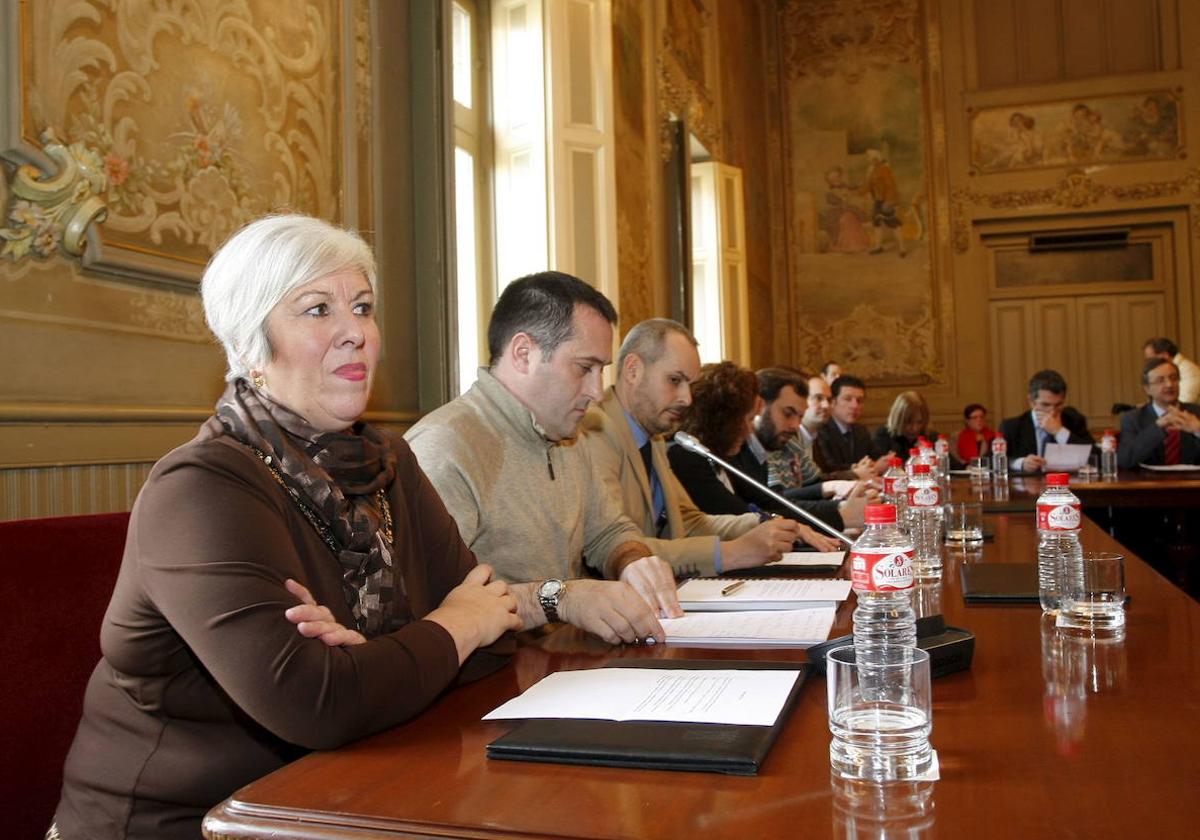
column 1136, row 488
column 1045, row 736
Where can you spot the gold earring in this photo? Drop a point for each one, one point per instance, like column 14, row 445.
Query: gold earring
column 258, row 380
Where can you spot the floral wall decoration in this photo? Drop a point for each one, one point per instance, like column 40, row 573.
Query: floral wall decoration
column 192, row 118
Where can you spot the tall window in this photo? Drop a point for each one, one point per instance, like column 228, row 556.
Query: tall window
column 533, row 152
column 720, row 308
column 472, row 207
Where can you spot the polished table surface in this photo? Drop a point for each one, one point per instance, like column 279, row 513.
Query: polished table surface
column 1045, row 736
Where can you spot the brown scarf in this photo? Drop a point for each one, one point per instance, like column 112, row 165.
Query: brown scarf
column 338, row 479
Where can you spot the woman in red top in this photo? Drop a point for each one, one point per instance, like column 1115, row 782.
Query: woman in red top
column 976, row 438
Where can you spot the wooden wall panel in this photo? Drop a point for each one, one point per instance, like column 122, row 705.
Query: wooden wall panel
column 995, row 42
column 1039, row 30
column 1133, row 42
column 1011, row 342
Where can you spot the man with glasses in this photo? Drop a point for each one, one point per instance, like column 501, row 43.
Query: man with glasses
column 1189, row 371
column 1049, row 420
column 1164, row 430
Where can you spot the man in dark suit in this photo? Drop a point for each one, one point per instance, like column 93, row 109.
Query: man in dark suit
column 1049, row 420
column 1164, row 430
column 843, row 441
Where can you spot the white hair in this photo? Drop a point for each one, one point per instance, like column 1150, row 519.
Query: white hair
column 258, row 266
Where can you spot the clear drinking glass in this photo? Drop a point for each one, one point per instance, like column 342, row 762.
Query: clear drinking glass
column 1093, row 594
column 881, row 734
column 1091, row 470
column 980, row 470
column 964, row 523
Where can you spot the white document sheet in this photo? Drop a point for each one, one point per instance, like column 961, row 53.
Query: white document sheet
column 810, row 558
column 752, row 698
column 704, row 594
column 1066, row 457
column 753, row 628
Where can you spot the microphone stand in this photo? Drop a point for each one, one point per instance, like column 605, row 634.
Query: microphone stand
column 691, row 444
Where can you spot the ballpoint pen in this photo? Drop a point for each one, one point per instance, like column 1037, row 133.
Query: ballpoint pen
column 733, row 587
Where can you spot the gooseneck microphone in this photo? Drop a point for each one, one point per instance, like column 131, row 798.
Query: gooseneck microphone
column 690, row 443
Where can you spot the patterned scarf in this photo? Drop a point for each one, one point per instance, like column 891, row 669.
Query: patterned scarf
column 339, row 480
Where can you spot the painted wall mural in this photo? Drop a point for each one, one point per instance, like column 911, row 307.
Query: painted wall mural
column 858, row 188
column 1107, row 129
column 197, row 117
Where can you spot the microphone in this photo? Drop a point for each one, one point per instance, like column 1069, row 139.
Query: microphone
column 690, row 443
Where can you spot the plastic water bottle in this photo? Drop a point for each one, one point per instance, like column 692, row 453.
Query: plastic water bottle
column 914, row 458
column 999, row 458
column 1108, row 454
column 881, row 574
column 895, row 490
column 927, row 453
column 1059, row 519
column 925, row 523
column 942, row 450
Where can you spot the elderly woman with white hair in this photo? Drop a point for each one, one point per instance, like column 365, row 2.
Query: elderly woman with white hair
column 284, row 530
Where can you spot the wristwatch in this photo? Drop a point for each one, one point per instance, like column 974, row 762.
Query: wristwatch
column 549, row 594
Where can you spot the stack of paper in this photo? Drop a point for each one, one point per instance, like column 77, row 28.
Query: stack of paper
column 753, row 628
column 708, row 594
column 746, row 698
column 805, row 559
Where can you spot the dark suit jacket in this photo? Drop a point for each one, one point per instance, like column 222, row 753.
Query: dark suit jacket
column 834, row 453
column 699, row 478
column 1142, row 441
column 1022, row 437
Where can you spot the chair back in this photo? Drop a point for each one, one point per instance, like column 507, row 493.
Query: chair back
column 56, row 578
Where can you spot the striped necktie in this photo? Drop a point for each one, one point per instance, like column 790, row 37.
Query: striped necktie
column 1173, row 446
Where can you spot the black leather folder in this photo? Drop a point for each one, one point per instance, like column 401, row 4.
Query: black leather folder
column 652, row 745
column 999, row 583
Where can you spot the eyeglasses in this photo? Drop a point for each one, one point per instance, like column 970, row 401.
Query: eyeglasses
column 1173, row 378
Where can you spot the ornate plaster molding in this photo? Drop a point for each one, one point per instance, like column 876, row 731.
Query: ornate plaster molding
column 1074, row 191
column 848, row 37
column 362, row 69
column 53, row 208
column 679, row 95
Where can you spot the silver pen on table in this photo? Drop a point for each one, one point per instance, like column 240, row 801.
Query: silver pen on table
column 733, row 587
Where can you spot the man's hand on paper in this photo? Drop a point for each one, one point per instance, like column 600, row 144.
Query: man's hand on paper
column 654, row 579
column 612, row 610
column 764, row 543
column 818, row 540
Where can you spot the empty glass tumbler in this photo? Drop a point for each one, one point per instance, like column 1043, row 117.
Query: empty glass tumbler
column 880, row 735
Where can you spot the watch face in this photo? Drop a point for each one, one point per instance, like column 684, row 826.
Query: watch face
column 550, row 589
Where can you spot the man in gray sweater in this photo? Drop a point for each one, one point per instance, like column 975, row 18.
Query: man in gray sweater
column 504, row 459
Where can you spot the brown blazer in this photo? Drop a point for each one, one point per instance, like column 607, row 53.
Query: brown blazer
column 204, row 685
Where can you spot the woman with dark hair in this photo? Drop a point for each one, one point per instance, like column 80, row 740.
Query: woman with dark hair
column 975, row 439
column 725, row 401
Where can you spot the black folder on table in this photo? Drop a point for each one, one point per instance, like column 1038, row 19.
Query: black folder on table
column 999, row 583
column 653, row 745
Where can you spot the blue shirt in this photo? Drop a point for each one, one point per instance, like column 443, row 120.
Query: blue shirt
column 640, row 438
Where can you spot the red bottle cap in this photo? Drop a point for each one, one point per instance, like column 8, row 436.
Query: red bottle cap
column 896, row 462
column 914, row 451
column 880, row 515
column 1058, row 479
